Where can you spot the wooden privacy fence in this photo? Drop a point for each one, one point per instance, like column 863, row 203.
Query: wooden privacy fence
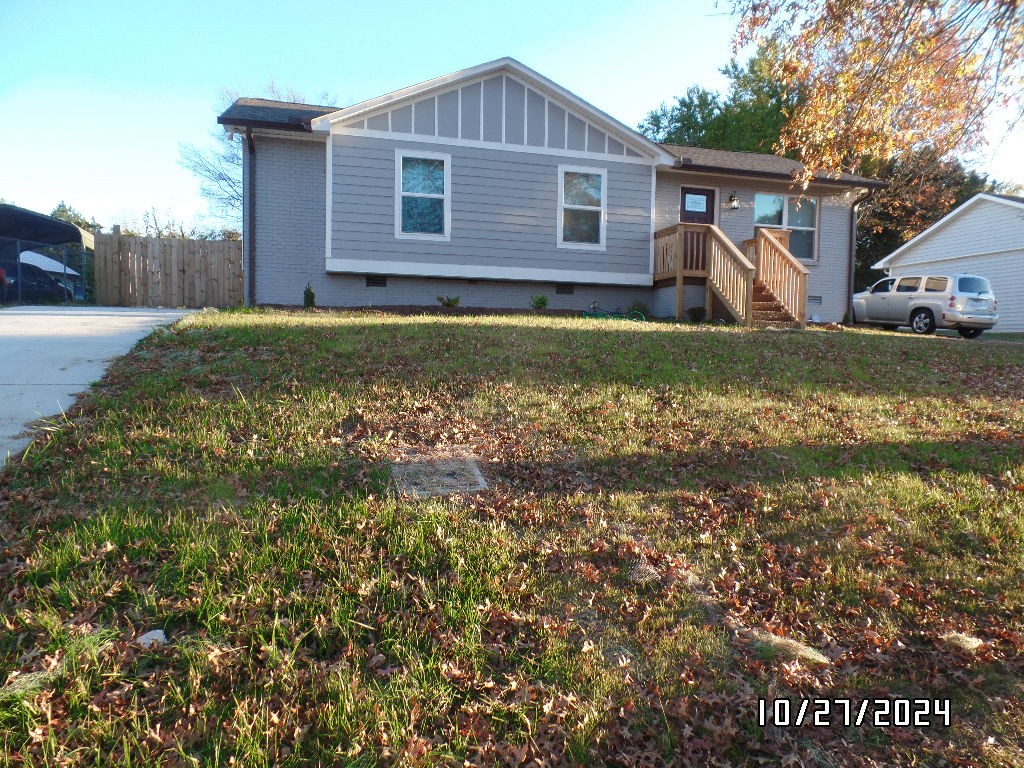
column 167, row 272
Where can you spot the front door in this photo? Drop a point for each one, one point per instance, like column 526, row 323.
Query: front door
column 696, row 206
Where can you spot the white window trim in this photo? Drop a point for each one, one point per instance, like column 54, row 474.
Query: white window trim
column 603, row 173
column 785, row 220
column 400, row 154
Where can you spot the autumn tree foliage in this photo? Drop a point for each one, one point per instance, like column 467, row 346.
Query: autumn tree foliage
column 886, row 77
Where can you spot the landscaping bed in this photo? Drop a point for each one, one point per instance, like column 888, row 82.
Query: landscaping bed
column 680, row 522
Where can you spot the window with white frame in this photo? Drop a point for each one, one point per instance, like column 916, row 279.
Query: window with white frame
column 582, row 207
column 423, row 192
column 797, row 214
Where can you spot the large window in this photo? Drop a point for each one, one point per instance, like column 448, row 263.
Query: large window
column 582, row 206
column 422, row 195
column 797, row 214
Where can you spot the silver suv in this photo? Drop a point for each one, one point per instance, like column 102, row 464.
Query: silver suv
column 927, row 302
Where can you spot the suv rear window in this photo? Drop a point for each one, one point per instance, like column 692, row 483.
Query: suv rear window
column 974, row 285
column 936, row 284
column 908, row 285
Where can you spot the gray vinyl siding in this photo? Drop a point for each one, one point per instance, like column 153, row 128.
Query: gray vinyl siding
column 828, row 275
column 504, row 209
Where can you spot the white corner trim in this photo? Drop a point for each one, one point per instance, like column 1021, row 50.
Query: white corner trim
column 654, row 211
column 329, row 194
column 938, row 225
column 472, row 272
column 560, row 208
column 401, row 153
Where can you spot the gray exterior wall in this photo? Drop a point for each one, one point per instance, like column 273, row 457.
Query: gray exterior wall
column 828, row 282
column 504, row 210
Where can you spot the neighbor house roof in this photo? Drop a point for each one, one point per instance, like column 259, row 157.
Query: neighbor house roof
column 1010, row 200
column 754, row 164
column 267, row 113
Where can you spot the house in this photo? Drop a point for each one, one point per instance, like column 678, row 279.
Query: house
column 495, row 184
column 985, row 237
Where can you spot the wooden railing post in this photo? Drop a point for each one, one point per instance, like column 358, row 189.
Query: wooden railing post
column 680, row 252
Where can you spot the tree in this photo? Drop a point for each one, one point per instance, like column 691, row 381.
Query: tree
column 882, row 78
column 748, row 118
column 65, row 212
column 219, row 167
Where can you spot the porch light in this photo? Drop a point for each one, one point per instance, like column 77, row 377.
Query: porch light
column 734, row 201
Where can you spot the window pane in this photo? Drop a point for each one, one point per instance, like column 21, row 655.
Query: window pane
column 802, row 213
column 908, row 285
column 582, row 189
column 768, row 210
column 801, row 244
column 422, row 176
column 581, row 226
column 936, row 284
column 423, row 214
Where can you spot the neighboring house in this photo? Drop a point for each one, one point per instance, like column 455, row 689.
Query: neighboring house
column 984, row 236
column 495, row 184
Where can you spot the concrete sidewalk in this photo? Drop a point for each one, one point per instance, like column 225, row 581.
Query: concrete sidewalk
column 49, row 355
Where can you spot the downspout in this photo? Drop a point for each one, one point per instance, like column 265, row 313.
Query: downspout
column 251, row 204
column 853, row 252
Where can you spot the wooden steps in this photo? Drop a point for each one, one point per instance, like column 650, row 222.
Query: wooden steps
column 769, row 311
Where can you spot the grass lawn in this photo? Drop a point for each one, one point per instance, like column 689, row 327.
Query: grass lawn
column 664, row 500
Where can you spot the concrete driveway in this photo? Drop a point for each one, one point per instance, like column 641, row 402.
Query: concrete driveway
column 49, row 355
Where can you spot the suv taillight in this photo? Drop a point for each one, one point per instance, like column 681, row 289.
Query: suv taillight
column 952, row 302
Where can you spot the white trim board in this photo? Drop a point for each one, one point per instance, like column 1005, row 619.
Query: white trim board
column 602, row 243
column 490, row 145
column 472, row 272
column 951, row 216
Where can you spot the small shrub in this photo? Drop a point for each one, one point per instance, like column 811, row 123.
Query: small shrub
column 448, row 301
column 540, row 301
column 696, row 314
column 308, row 297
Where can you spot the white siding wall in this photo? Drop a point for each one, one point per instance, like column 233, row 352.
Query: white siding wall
column 986, row 239
column 829, row 275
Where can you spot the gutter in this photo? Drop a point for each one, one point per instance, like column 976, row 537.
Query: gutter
column 853, row 250
column 679, row 165
column 251, row 204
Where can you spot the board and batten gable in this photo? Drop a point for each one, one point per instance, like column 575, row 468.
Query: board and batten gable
column 828, row 274
column 984, row 237
column 504, row 211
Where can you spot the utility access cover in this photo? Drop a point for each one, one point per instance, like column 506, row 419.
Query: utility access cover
column 442, row 472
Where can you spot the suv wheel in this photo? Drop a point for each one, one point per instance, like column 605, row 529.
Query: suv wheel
column 970, row 333
column 922, row 321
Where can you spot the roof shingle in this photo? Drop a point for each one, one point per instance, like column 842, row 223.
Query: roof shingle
column 266, row 113
column 754, row 164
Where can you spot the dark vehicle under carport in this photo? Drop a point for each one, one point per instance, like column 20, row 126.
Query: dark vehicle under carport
column 22, row 230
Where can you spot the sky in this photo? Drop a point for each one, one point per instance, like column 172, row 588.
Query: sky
column 97, row 97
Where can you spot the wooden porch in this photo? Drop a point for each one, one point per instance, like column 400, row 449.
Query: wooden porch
column 763, row 285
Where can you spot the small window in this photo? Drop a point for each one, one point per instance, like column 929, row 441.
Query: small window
column 422, row 195
column 564, row 289
column 814, row 299
column 883, row 286
column 908, row 285
column 974, row 285
column 797, row 214
column 376, row 281
column 936, row 285
column 582, row 200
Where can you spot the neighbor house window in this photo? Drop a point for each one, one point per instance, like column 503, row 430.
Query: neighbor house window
column 797, row 214
column 582, row 207
column 423, row 195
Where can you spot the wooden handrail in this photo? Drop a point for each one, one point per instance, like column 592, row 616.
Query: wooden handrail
column 730, row 275
column 782, row 274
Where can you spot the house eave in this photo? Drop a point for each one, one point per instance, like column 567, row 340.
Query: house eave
column 727, row 171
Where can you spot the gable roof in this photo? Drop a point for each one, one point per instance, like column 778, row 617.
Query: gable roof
column 953, row 215
column 267, row 113
column 755, row 164
column 505, row 65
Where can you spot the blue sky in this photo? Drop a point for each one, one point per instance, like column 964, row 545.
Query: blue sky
column 97, row 97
